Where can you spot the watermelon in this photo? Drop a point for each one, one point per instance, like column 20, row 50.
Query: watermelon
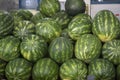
column 49, row 7
column 87, row 48
column 37, row 17
column 62, row 18
column 74, row 7
column 61, row 49
column 81, row 16
column 21, row 13
column 45, row 69
column 101, row 69
column 23, row 29
column 9, row 48
column 106, row 25
column 118, row 72
column 18, row 69
column 73, row 69
column 6, row 24
column 2, row 68
column 48, row 28
column 33, row 47
column 111, row 51
column 78, row 27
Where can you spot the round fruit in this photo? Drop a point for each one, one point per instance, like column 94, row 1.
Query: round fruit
column 74, row 7
column 87, row 48
column 101, row 69
column 78, row 27
column 23, row 29
column 18, row 69
column 73, row 69
column 6, row 24
column 106, row 25
column 9, row 48
column 45, row 69
column 33, row 48
column 49, row 7
column 61, row 49
column 49, row 29
column 111, row 51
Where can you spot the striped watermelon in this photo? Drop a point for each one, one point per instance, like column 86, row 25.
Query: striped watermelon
column 9, row 48
column 45, row 69
column 101, row 69
column 61, row 49
column 111, row 51
column 18, row 69
column 81, row 16
column 37, row 17
column 6, row 24
column 87, row 48
column 118, row 72
column 78, row 27
column 62, row 18
column 48, row 28
column 2, row 68
column 106, row 26
column 33, row 47
column 49, row 7
column 73, row 69
column 23, row 29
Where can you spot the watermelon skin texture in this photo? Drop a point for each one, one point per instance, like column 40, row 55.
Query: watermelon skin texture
column 74, row 7
column 6, row 24
column 33, row 48
column 61, row 49
column 101, row 69
column 62, row 18
column 118, row 72
column 87, row 48
column 73, row 69
column 9, row 48
column 78, row 27
column 48, row 29
column 18, row 69
column 2, row 68
column 49, row 7
column 37, row 17
column 106, row 26
column 111, row 51
column 48, row 72
column 23, row 29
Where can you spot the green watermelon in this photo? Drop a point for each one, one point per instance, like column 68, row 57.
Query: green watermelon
column 118, row 72
column 2, row 68
column 111, row 51
column 49, row 7
column 61, row 49
column 48, row 28
column 78, row 27
column 74, row 7
column 9, row 48
column 106, row 25
column 62, row 18
column 87, row 48
column 37, row 17
column 81, row 16
column 6, row 24
column 33, row 48
column 45, row 69
column 18, row 69
column 101, row 69
column 73, row 69
column 23, row 29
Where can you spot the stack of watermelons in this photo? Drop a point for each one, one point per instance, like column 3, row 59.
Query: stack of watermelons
column 59, row 44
